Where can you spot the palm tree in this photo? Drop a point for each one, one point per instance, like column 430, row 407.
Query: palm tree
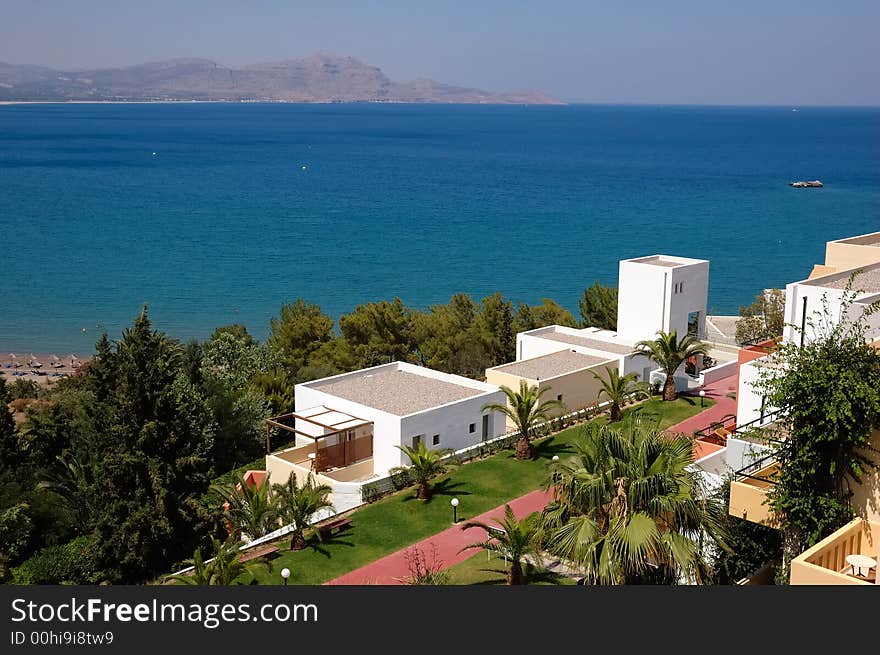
column 515, row 540
column 628, row 508
column 525, row 409
column 74, row 481
column 298, row 504
column 222, row 569
column 617, row 388
column 250, row 509
column 424, row 466
column 668, row 353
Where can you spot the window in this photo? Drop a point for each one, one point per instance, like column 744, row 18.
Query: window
column 694, row 324
column 680, row 287
column 435, row 440
column 472, row 428
column 559, row 397
column 416, row 440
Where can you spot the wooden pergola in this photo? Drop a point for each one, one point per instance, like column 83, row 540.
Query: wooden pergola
column 337, row 446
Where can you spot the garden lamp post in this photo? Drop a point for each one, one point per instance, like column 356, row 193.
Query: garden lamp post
column 285, row 573
column 702, row 395
column 555, row 460
column 454, row 503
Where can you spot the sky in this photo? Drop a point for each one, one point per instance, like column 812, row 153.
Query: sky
column 768, row 52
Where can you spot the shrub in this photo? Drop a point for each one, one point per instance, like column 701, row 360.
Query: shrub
column 20, row 404
column 23, row 389
column 70, row 563
column 401, row 479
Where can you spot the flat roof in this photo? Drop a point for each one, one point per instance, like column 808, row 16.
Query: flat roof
column 396, row 391
column 552, row 365
column 587, row 342
column 669, row 261
column 872, row 240
column 866, row 281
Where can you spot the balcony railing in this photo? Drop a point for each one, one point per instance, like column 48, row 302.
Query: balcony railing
column 718, row 431
column 762, row 470
column 765, row 344
column 826, row 562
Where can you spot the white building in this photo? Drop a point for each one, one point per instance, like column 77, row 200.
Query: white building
column 662, row 292
column 812, row 306
column 348, row 427
column 604, row 344
column 659, row 292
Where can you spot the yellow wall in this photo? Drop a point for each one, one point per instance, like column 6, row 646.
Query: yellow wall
column 866, row 497
column 578, row 389
column 747, row 501
column 825, row 563
column 843, row 256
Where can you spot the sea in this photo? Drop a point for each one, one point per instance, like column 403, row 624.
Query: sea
column 218, row 213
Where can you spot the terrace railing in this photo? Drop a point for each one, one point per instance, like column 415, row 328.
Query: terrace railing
column 717, row 431
column 752, row 471
column 761, row 429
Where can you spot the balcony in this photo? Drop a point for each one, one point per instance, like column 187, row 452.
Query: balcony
column 825, row 563
column 749, row 489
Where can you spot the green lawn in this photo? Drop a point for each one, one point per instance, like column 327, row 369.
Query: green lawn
column 479, row 570
column 399, row 520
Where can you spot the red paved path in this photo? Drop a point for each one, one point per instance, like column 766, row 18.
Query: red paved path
column 389, row 569
column 723, row 406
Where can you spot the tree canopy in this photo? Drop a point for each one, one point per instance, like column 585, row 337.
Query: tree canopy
column 598, row 307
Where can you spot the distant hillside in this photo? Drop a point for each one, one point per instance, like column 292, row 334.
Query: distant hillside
column 320, row 78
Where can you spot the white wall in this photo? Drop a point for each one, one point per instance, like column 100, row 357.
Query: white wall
column 529, row 346
column 740, row 453
column 794, row 304
column 692, row 297
column 748, row 397
column 643, row 300
column 451, row 422
column 653, row 298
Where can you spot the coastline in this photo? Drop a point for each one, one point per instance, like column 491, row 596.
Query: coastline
column 44, row 375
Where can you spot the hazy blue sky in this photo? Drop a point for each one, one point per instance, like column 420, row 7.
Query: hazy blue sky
column 665, row 51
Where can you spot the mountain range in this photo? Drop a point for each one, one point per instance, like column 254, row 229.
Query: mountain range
column 319, row 78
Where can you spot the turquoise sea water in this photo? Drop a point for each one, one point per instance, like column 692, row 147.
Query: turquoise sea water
column 223, row 224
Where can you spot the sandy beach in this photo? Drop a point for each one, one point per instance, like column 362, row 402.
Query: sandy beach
column 50, row 371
